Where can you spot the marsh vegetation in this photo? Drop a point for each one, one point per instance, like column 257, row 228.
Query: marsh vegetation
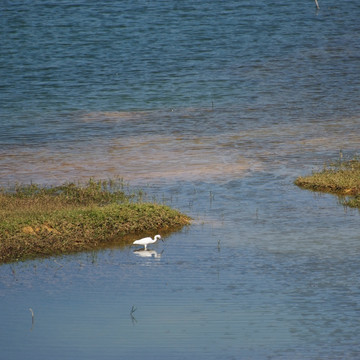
column 340, row 177
column 38, row 221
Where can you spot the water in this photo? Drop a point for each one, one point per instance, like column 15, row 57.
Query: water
column 215, row 108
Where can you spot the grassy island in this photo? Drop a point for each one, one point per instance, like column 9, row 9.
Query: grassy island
column 341, row 178
column 38, row 221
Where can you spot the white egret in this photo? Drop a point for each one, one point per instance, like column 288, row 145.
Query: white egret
column 146, row 241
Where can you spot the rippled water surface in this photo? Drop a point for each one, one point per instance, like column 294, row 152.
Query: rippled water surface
column 214, row 108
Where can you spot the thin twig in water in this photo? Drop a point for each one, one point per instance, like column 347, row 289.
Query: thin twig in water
column 58, row 264
column 13, row 271
column 317, row 4
column 32, row 318
column 133, row 319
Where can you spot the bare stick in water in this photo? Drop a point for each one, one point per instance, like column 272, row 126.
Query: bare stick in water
column 133, row 319
column 317, row 4
column 32, row 318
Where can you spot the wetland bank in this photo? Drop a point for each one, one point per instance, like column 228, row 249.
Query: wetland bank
column 40, row 221
column 341, row 177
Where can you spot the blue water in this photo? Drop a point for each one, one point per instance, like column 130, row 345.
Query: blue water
column 214, row 107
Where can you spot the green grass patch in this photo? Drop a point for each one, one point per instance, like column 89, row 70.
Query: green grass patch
column 341, row 178
column 40, row 221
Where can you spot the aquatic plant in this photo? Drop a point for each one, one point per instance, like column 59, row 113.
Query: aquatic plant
column 340, row 177
column 43, row 221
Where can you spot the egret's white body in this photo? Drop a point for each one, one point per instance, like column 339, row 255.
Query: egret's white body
column 146, row 241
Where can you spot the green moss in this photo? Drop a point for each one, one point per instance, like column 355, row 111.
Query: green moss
column 38, row 221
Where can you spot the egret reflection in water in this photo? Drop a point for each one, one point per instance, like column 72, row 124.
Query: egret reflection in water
column 148, row 253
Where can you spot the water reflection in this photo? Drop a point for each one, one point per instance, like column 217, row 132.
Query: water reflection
column 148, row 253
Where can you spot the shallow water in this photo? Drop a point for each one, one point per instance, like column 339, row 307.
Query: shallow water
column 214, row 108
